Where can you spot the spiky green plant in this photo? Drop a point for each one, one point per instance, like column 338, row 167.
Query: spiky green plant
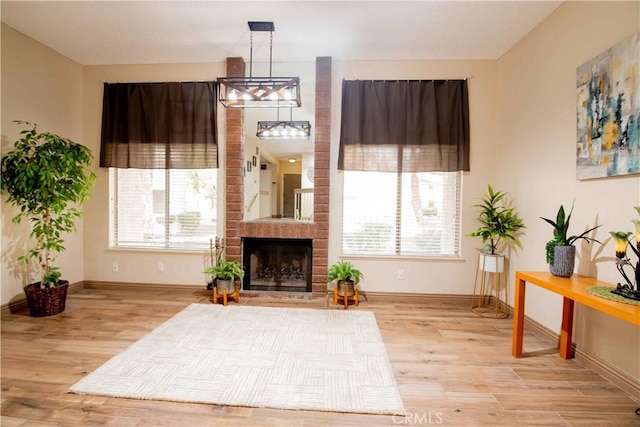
column 560, row 233
column 500, row 223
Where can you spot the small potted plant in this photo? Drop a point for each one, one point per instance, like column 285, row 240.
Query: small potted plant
column 500, row 225
column 346, row 275
column 46, row 176
column 226, row 273
column 560, row 251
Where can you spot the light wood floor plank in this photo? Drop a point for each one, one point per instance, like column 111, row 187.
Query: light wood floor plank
column 452, row 367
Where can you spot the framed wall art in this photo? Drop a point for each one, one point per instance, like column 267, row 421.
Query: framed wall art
column 608, row 112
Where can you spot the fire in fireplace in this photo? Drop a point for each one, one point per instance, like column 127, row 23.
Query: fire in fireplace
column 277, row 264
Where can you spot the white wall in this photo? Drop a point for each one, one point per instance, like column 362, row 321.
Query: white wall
column 43, row 87
column 536, row 163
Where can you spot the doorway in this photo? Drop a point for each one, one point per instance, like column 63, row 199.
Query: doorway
column 291, row 182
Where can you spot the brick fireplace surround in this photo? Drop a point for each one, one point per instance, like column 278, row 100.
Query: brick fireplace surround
column 316, row 230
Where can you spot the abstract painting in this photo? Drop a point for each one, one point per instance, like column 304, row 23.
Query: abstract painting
column 608, row 113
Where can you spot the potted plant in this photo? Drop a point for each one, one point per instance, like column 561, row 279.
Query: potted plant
column 46, row 176
column 500, row 225
column 225, row 273
column 560, row 251
column 346, row 275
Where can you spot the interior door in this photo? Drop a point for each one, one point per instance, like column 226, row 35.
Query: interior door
column 291, row 182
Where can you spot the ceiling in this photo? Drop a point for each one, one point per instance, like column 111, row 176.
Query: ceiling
column 138, row 32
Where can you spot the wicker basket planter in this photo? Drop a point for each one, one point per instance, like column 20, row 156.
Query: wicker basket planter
column 48, row 301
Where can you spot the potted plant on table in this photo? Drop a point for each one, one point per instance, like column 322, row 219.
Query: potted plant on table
column 46, row 176
column 500, row 225
column 560, row 251
column 346, row 275
column 225, row 273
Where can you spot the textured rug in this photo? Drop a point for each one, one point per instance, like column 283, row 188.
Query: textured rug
column 285, row 358
column 605, row 292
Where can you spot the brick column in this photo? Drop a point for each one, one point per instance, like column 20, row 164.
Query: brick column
column 234, row 191
column 321, row 168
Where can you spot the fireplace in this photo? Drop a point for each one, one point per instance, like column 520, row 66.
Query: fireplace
column 277, row 264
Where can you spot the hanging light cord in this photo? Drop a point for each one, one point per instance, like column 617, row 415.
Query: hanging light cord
column 251, row 55
column 270, row 52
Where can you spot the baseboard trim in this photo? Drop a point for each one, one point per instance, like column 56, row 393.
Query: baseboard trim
column 454, row 298
column 95, row 284
column 20, row 301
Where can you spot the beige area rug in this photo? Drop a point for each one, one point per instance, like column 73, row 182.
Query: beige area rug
column 285, row 358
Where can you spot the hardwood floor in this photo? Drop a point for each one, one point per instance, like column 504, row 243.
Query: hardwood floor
column 452, row 367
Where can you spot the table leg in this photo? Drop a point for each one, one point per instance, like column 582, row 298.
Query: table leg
column 335, row 296
column 224, row 297
column 518, row 318
column 356, row 300
column 567, row 328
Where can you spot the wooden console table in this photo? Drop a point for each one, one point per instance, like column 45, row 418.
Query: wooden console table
column 573, row 289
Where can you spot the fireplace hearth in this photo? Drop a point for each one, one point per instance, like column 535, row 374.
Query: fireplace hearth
column 277, row 264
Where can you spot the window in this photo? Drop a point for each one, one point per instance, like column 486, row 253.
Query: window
column 403, row 214
column 164, row 209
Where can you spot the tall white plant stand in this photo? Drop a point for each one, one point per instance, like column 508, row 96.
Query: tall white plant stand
column 489, row 288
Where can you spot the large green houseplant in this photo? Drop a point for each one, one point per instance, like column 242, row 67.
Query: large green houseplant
column 46, row 176
column 499, row 223
column 346, row 275
column 560, row 250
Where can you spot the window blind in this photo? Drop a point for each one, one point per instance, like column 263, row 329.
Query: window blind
column 402, row 214
column 164, row 209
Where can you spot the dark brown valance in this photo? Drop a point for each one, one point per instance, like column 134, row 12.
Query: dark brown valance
column 404, row 126
column 159, row 125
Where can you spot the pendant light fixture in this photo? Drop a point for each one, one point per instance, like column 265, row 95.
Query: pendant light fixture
column 255, row 92
column 284, row 129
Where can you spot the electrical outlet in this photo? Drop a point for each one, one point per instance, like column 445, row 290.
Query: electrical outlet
column 160, row 267
column 400, row 274
column 114, row 267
